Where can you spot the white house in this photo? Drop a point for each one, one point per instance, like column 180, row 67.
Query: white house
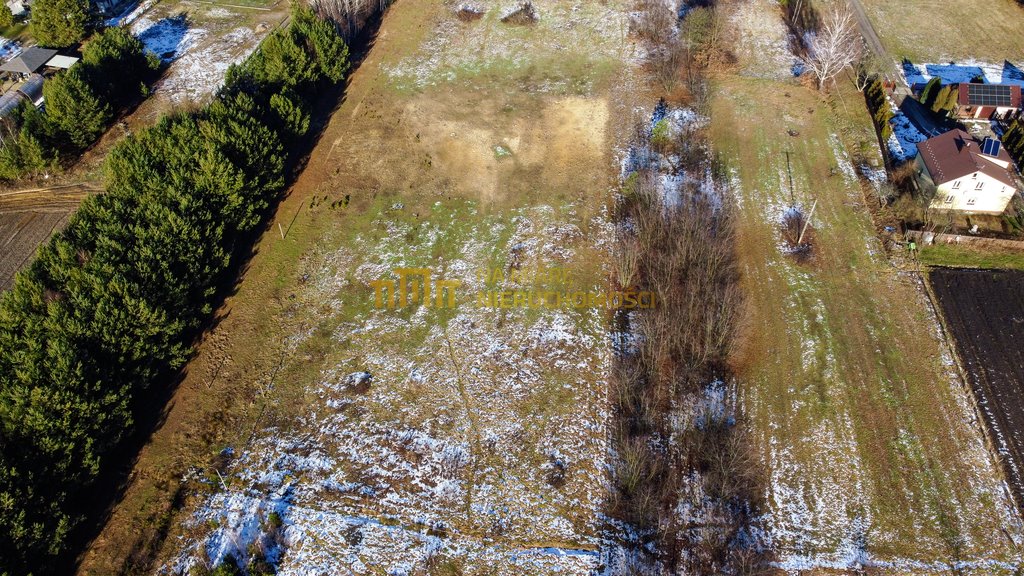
column 967, row 175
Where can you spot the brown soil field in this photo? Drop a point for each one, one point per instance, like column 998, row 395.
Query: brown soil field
column 984, row 310
column 27, row 219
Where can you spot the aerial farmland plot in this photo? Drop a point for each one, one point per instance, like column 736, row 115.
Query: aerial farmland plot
column 874, row 450
column 389, row 440
column 27, row 220
column 374, row 395
column 930, row 31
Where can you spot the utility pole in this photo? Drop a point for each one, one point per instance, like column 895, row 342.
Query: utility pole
column 807, row 223
column 792, row 192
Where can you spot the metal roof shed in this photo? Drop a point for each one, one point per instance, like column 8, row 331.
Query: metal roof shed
column 60, row 61
column 33, row 88
column 9, row 102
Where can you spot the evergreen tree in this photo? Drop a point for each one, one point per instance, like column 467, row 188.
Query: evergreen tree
column 930, row 91
column 6, row 16
column 74, row 111
column 117, row 62
column 113, row 302
column 60, row 23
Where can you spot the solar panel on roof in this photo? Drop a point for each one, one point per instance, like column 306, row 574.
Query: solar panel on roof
column 989, row 95
column 990, row 147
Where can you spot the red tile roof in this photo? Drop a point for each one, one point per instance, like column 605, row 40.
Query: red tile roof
column 956, row 154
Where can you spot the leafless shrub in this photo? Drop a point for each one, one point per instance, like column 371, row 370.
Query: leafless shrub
column 469, row 12
column 802, row 20
column 348, row 15
column 627, row 260
column 667, row 63
column 684, row 254
column 798, row 234
column 555, row 471
column 526, row 14
column 653, row 22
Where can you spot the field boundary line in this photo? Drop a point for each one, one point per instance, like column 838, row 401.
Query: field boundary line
column 50, row 188
column 935, row 238
column 242, row 6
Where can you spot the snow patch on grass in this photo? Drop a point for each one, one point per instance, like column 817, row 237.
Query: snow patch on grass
column 195, row 75
column 905, row 136
column 963, row 71
column 446, row 452
column 763, row 43
column 130, row 14
column 168, row 38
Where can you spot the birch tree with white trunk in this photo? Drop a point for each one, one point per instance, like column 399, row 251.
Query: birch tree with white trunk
column 836, row 46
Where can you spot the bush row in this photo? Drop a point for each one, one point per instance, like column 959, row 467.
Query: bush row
column 878, row 105
column 1013, row 140
column 110, row 307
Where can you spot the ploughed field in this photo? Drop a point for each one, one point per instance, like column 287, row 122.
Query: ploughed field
column 984, row 310
column 26, row 221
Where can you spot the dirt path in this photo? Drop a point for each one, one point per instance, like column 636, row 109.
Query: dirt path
column 867, row 30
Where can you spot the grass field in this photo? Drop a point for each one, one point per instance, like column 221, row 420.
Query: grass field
column 870, row 440
column 944, row 30
column 479, row 445
column 480, row 441
column 966, row 256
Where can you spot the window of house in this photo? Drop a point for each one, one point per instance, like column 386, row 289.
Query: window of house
column 979, row 184
column 970, row 201
column 949, row 199
column 956, row 184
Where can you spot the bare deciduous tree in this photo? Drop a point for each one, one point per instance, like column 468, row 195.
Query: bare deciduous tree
column 836, row 46
column 867, row 67
column 349, row 15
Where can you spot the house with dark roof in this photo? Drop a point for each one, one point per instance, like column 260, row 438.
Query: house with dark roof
column 29, row 61
column 980, row 101
column 967, row 175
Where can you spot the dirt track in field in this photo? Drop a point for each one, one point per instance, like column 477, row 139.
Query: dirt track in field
column 984, row 309
column 27, row 219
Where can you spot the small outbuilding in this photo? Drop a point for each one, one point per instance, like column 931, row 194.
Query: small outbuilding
column 33, row 89
column 978, row 101
column 9, row 102
column 61, row 61
column 29, row 61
